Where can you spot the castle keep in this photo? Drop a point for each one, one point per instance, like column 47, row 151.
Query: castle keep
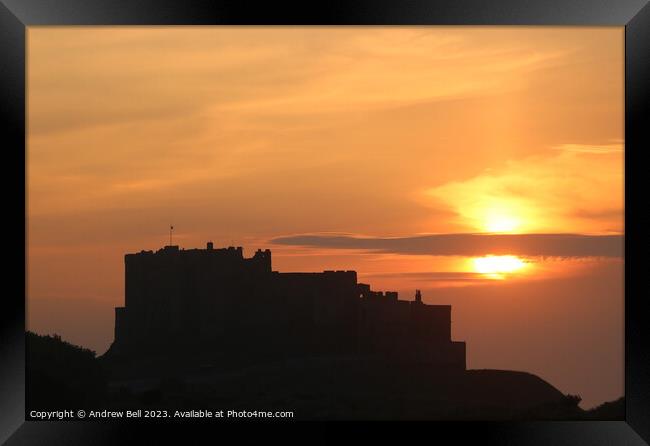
column 235, row 307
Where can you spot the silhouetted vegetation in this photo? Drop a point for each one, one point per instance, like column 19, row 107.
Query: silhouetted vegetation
column 62, row 375
column 611, row 410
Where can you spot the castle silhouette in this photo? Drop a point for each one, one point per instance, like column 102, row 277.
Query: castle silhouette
column 209, row 328
column 231, row 309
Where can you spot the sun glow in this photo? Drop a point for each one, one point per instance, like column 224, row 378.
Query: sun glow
column 501, row 223
column 502, row 217
column 497, row 266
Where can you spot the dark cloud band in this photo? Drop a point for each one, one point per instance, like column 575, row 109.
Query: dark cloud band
column 532, row 245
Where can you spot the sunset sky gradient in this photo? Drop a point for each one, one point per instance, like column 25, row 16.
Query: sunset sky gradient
column 343, row 148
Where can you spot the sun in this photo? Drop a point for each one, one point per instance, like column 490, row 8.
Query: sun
column 497, row 266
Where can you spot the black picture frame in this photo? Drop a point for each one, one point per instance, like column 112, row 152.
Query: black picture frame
column 16, row 15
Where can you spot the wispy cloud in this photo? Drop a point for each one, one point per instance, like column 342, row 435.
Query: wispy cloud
column 596, row 149
column 430, row 276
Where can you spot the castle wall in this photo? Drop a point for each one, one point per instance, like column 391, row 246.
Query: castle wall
column 121, row 325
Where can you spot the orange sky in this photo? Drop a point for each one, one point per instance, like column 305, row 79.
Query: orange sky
column 246, row 135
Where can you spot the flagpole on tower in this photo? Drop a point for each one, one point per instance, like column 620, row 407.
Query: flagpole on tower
column 171, row 228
